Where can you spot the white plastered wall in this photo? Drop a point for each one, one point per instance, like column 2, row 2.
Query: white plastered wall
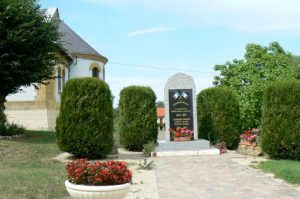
column 79, row 68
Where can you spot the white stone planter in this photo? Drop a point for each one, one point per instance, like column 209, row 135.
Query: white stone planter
column 97, row 192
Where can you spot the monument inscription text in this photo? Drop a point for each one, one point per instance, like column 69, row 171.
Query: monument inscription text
column 181, row 108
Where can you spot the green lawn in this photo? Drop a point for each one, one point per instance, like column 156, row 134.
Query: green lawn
column 27, row 169
column 288, row 170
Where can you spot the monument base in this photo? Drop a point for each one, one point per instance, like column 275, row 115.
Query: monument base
column 181, row 139
column 196, row 147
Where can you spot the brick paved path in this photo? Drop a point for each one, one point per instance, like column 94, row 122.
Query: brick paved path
column 215, row 177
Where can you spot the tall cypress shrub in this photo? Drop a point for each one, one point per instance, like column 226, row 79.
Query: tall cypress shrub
column 137, row 117
column 280, row 127
column 84, row 126
column 218, row 116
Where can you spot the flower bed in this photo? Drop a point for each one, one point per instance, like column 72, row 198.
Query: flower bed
column 248, row 138
column 248, row 143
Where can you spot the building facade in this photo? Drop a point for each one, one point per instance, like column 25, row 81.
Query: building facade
column 37, row 108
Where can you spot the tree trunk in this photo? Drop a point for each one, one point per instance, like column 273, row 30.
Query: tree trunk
column 2, row 115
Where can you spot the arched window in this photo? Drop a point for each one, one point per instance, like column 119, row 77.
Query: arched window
column 59, row 80
column 95, row 72
column 63, row 78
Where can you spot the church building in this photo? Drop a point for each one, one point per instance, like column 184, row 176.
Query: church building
column 37, row 109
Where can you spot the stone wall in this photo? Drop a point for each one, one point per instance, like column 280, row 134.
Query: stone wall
column 33, row 115
column 250, row 150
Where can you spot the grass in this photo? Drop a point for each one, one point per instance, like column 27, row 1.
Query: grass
column 289, row 170
column 27, row 169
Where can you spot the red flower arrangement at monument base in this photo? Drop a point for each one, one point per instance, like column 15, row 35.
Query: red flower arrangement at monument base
column 248, row 138
column 181, row 134
column 81, row 171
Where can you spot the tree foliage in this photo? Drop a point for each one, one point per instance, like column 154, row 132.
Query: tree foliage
column 160, row 104
column 85, row 123
column 27, row 46
column 281, row 120
column 249, row 77
column 137, row 117
column 218, row 116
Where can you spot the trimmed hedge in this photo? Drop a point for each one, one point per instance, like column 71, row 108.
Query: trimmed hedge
column 137, row 117
column 2, row 119
column 11, row 130
column 280, row 127
column 218, row 116
column 84, row 126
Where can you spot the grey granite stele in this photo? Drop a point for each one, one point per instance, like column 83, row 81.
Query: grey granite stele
column 180, row 81
column 167, row 147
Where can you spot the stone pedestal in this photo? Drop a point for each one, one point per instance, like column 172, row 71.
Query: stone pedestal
column 250, row 150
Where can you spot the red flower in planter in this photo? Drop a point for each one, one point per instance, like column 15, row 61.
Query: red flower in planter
column 98, row 173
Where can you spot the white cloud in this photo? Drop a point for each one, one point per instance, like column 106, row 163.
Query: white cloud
column 149, row 31
column 245, row 15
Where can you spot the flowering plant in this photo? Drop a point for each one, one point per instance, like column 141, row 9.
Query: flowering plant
column 248, row 136
column 81, row 171
column 181, row 132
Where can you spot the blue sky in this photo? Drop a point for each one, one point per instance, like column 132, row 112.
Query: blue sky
column 148, row 41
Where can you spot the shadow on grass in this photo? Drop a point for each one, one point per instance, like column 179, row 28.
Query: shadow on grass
column 37, row 137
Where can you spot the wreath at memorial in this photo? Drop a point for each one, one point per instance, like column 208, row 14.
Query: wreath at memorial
column 181, row 134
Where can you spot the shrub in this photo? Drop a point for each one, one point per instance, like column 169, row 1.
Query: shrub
column 2, row 120
column 280, row 127
column 84, row 126
column 11, row 130
column 2, row 129
column 14, row 129
column 148, row 148
column 137, row 117
column 218, row 116
column 145, row 165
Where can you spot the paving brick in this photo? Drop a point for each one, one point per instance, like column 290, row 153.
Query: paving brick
column 213, row 177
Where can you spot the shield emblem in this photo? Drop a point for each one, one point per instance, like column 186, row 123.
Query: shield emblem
column 176, row 95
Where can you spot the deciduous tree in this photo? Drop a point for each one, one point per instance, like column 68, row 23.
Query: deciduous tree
column 249, row 77
column 160, row 104
column 28, row 45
